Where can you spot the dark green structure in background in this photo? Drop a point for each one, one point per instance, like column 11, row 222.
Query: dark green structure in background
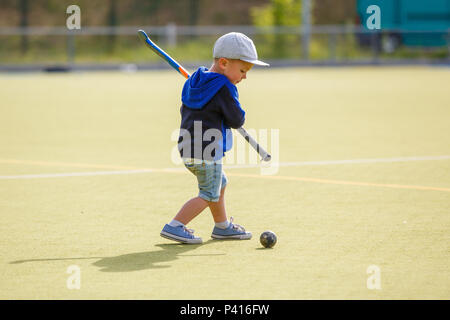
column 424, row 23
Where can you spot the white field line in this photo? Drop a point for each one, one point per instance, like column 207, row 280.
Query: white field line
column 182, row 169
column 92, row 173
column 333, row 162
column 74, row 174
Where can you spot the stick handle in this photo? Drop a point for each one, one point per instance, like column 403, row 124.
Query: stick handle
column 263, row 153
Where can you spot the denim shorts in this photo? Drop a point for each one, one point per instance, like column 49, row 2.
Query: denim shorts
column 210, row 176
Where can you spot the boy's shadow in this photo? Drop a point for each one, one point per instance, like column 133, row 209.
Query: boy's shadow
column 148, row 260
column 139, row 260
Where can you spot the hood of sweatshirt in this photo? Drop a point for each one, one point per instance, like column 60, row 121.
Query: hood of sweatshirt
column 201, row 87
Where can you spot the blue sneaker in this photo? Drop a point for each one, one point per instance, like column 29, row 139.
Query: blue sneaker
column 180, row 234
column 234, row 231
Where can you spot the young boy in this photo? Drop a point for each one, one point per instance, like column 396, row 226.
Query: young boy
column 210, row 107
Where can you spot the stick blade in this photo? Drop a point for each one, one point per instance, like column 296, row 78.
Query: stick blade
column 142, row 35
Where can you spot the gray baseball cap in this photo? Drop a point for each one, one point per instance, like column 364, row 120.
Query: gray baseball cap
column 235, row 45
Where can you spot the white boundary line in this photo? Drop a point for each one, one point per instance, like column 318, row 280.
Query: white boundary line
column 74, row 174
column 353, row 161
column 181, row 169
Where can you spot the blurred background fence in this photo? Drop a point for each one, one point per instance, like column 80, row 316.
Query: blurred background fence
column 286, row 32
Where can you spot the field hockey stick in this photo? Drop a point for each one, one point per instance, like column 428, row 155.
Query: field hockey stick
column 174, row 64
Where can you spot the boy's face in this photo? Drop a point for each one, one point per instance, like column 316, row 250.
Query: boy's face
column 235, row 70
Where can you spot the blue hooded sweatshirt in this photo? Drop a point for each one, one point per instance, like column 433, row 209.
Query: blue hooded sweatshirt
column 211, row 98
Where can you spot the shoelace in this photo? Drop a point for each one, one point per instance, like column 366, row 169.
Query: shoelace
column 236, row 226
column 190, row 231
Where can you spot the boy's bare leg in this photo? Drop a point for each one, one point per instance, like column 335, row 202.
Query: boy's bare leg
column 218, row 208
column 223, row 228
column 196, row 205
column 190, row 210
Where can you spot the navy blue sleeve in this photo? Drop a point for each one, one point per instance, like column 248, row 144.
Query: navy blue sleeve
column 234, row 116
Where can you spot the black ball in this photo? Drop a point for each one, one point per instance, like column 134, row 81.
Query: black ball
column 268, row 239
